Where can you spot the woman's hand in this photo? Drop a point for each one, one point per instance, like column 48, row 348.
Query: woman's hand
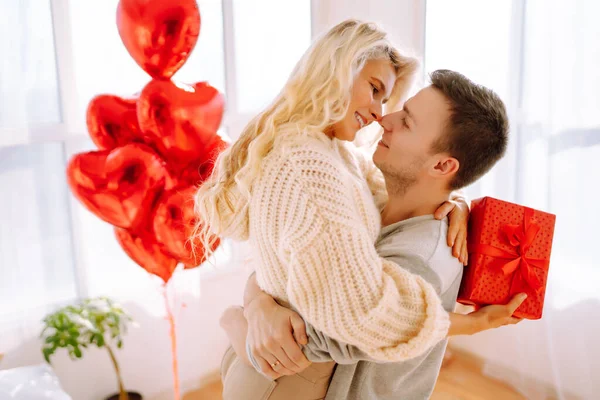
column 274, row 335
column 457, row 211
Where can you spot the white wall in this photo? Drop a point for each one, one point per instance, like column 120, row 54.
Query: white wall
column 400, row 18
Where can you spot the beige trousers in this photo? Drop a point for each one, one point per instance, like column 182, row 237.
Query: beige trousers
column 241, row 382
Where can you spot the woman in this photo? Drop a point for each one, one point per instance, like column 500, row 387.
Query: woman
column 307, row 200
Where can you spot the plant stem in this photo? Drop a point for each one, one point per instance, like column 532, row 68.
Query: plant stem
column 122, row 392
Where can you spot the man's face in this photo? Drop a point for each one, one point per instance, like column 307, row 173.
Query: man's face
column 404, row 154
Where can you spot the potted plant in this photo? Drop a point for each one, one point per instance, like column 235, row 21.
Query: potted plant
column 97, row 321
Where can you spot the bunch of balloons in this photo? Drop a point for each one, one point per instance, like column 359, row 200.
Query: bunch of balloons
column 156, row 147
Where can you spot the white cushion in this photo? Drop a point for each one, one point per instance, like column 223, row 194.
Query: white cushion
column 37, row 382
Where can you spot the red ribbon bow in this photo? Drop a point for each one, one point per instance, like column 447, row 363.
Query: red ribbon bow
column 522, row 267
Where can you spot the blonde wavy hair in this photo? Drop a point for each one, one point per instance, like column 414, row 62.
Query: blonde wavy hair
column 316, row 96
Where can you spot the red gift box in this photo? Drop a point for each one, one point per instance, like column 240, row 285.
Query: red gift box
column 509, row 253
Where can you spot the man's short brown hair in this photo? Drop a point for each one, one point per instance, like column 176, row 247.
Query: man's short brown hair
column 477, row 130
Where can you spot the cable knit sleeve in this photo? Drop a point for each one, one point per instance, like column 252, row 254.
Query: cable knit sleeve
column 336, row 279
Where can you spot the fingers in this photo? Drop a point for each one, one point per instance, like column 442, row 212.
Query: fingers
column 514, row 320
column 445, row 209
column 453, row 231
column 298, row 360
column 276, row 364
column 269, row 353
column 286, row 361
column 265, row 368
column 299, row 329
column 459, row 243
column 515, row 302
column 270, row 349
column 291, row 347
column 465, row 254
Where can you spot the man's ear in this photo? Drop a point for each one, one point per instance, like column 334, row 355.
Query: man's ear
column 446, row 166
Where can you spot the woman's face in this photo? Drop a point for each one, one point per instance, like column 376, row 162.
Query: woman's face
column 370, row 91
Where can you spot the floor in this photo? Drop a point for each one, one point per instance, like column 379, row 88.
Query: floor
column 460, row 379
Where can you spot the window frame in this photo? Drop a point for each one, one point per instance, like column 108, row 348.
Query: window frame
column 71, row 133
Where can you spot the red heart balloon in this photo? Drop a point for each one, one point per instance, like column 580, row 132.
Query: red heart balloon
column 194, row 174
column 181, row 121
column 159, row 34
column 112, row 121
column 174, row 224
column 119, row 186
column 147, row 254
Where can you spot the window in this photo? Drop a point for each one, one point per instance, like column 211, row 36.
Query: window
column 103, row 65
column 561, row 131
column 27, row 70
column 36, row 259
column 473, row 37
column 51, row 248
column 542, row 57
column 265, row 54
column 263, row 39
column 543, row 61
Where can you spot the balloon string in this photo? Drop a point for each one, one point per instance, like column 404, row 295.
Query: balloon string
column 173, row 336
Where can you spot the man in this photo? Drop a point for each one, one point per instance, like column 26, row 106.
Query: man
column 446, row 137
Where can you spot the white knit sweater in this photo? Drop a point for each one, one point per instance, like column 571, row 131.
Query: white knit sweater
column 313, row 223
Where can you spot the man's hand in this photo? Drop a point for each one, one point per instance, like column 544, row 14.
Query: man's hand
column 495, row 316
column 488, row 317
column 457, row 211
column 274, row 337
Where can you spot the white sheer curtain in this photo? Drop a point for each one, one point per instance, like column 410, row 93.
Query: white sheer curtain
column 27, row 68
column 55, row 55
column 36, row 255
column 543, row 57
column 558, row 147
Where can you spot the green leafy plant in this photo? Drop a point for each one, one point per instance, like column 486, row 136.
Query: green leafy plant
column 99, row 321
